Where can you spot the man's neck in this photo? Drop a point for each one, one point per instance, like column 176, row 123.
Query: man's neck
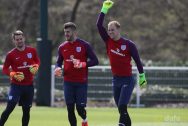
column 74, row 39
column 21, row 49
column 117, row 38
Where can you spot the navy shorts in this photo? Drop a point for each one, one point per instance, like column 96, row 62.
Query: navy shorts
column 122, row 89
column 75, row 93
column 22, row 94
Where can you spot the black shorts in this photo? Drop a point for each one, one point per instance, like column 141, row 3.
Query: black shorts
column 22, row 94
column 75, row 93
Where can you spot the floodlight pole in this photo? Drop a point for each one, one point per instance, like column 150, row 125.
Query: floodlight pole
column 43, row 86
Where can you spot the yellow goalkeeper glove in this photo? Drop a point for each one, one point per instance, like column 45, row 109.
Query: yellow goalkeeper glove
column 34, row 69
column 107, row 4
column 142, row 80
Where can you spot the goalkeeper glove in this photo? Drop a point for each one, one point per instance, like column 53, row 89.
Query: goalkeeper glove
column 78, row 64
column 34, row 69
column 142, row 80
column 58, row 72
column 106, row 6
column 19, row 76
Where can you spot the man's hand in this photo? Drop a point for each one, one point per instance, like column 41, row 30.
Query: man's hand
column 78, row 64
column 58, row 72
column 34, row 69
column 142, row 80
column 19, row 76
column 107, row 4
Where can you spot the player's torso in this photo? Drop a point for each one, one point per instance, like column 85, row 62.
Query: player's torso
column 119, row 55
column 21, row 60
column 76, row 50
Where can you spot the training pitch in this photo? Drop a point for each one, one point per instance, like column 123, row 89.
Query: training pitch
column 48, row 116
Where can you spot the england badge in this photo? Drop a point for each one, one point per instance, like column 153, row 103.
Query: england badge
column 29, row 55
column 123, row 47
column 78, row 49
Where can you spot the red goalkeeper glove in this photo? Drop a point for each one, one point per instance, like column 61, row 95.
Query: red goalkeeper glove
column 19, row 76
column 78, row 64
column 34, row 69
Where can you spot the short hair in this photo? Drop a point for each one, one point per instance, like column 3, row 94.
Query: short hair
column 70, row 25
column 116, row 23
column 17, row 32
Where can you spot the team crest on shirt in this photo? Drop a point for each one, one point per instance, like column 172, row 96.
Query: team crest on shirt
column 29, row 55
column 123, row 47
column 78, row 49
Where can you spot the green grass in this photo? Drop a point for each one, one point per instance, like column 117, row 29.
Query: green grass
column 45, row 116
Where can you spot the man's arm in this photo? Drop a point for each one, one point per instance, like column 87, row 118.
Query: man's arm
column 34, row 67
column 36, row 59
column 102, row 31
column 93, row 60
column 135, row 55
column 19, row 76
column 59, row 61
column 104, row 10
column 6, row 66
column 58, row 69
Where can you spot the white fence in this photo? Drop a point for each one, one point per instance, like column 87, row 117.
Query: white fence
column 165, row 85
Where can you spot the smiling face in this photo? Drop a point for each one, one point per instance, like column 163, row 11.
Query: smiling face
column 69, row 34
column 70, row 31
column 114, row 30
column 19, row 40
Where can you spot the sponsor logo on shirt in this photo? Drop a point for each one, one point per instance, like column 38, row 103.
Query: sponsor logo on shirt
column 70, row 60
column 78, row 49
column 24, row 66
column 117, row 52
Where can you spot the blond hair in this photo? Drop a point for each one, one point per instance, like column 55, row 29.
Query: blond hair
column 116, row 23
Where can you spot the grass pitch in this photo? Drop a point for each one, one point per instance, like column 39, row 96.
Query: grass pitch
column 48, row 116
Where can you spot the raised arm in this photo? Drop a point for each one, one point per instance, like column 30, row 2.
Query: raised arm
column 102, row 31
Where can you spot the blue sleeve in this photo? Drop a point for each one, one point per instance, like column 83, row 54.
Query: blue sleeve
column 59, row 61
column 135, row 56
column 102, row 31
column 92, row 58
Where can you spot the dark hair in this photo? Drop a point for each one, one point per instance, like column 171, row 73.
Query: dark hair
column 17, row 32
column 70, row 25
